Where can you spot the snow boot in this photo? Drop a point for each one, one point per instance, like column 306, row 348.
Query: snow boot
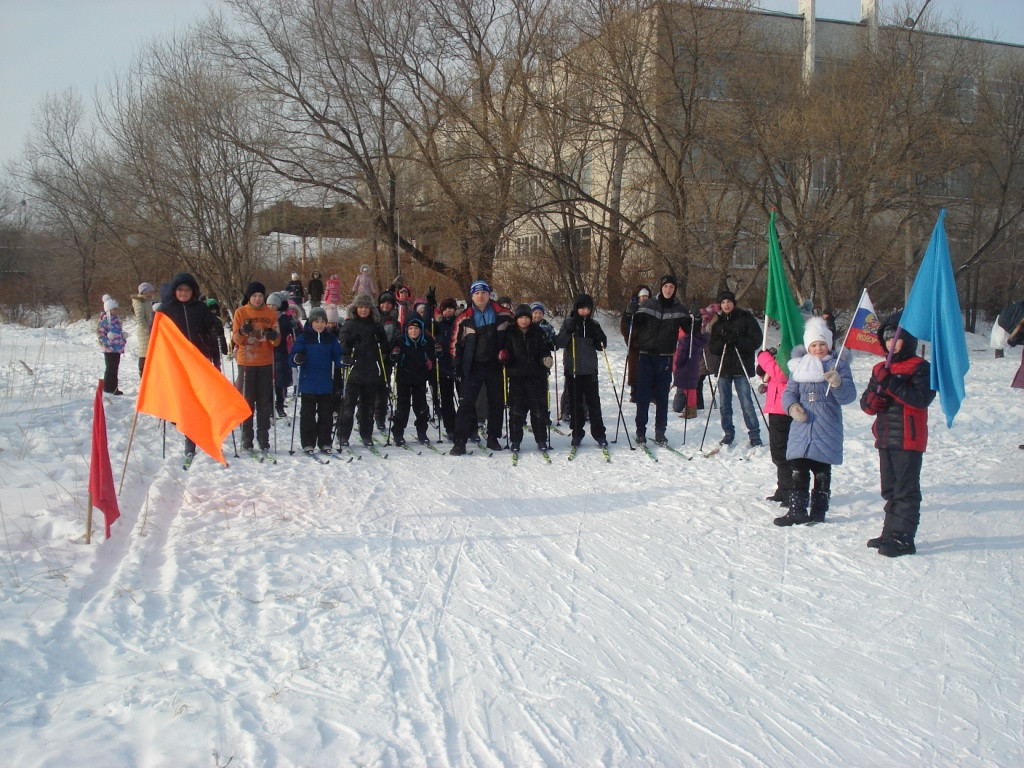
column 797, row 514
column 458, row 448
column 780, row 496
column 690, row 412
column 493, row 444
column 899, row 544
column 727, row 439
column 660, row 439
column 877, row 542
column 641, row 438
column 819, row 506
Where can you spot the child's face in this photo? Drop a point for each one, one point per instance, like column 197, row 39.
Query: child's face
column 183, row 293
column 818, row 349
column 363, row 311
column 538, row 315
column 319, row 325
column 524, row 322
column 583, row 311
column 413, row 331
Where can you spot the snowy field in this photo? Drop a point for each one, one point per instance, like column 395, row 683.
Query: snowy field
column 426, row 610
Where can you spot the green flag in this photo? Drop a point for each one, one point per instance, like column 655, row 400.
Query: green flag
column 779, row 303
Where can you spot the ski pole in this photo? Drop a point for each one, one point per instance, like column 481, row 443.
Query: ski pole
column 707, row 422
column 504, row 394
column 558, row 402
column 625, row 368
column 618, row 400
column 387, row 386
column 744, row 369
column 295, row 408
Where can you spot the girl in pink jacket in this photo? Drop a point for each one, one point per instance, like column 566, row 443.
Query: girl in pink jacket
column 778, row 422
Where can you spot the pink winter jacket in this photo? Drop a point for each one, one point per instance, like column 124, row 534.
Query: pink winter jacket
column 776, row 381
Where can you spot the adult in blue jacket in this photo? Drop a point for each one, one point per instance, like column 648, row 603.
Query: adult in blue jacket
column 315, row 353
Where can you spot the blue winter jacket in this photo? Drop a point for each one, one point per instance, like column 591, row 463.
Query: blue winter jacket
column 821, row 436
column 323, row 351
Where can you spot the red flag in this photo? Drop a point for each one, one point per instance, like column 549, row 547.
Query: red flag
column 183, row 387
column 101, row 476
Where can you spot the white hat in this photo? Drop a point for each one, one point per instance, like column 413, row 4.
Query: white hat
column 110, row 304
column 145, row 288
column 105, row 298
column 295, row 275
column 815, row 329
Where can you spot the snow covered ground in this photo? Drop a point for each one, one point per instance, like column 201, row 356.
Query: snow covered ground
column 438, row 611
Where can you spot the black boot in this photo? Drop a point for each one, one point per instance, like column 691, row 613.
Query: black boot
column 797, row 514
column 876, row 543
column 458, row 448
column 819, row 506
column 780, row 496
column 899, row 544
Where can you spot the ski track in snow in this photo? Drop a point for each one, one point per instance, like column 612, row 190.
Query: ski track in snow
column 439, row 611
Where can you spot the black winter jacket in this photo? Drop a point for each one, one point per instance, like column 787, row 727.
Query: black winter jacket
column 581, row 338
column 739, row 330
column 193, row 319
column 363, row 339
column 656, row 325
column 527, row 352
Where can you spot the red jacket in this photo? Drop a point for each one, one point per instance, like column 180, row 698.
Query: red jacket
column 901, row 407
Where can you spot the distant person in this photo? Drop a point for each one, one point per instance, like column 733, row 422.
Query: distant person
column 735, row 338
column 112, row 342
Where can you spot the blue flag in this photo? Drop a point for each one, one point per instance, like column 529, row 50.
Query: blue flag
column 933, row 314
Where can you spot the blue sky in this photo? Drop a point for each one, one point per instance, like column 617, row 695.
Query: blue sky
column 49, row 45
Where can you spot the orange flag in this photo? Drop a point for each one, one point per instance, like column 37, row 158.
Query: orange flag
column 101, row 476
column 183, row 387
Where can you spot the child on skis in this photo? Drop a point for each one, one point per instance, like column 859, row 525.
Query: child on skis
column 527, row 358
column 898, row 395
column 818, row 387
column 315, row 353
column 582, row 338
column 363, row 342
column 414, row 358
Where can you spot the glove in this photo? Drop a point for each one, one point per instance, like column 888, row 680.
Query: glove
column 730, row 337
column 548, row 362
column 246, row 329
column 299, row 358
column 570, row 324
column 882, row 375
column 833, row 378
column 773, row 351
column 348, row 361
column 762, row 388
column 503, row 356
column 430, row 364
column 396, row 353
column 432, row 295
column 797, row 412
column 875, row 403
column 632, row 307
column 599, row 346
column 271, row 334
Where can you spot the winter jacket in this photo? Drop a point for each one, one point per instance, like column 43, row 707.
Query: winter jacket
column 256, row 349
column 363, row 339
column 414, row 360
column 316, row 288
column 581, row 338
column 332, row 291
column 776, row 381
column 364, row 284
column 288, row 327
column 901, row 408
column 143, row 308
column 111, row 336
column 656, row 324
column 443, row 330
column 479, row 336
column 686, row 365
column 820, row 437
column 526, row 352
column 739, row 331
column 193, row 318
column 323, row 353
column 295, row 291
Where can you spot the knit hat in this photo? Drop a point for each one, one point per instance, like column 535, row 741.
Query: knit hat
column 404, row 292
column 275, row 300
column 385, row 296
column 419, row 302
column 449, row 303
column 251, row 288
column 523, row 310
column 145, row 288
column 537, row 305
column 366, row 300
column 726, row 294
column 666, row 279
column 480, row 285
column 816, row 329
column 110, row 304
column 364, row 268
column 643, row 292
column 332, row 313
column 295, row 275
column 212, row 302
column 105, row 298
column 317, row 313
column 583, row 300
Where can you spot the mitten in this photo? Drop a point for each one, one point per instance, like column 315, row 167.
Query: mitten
column 548, row 362
column 430, row 364
column 797, row 412
column 246, row 328
column 271, row 334
column 882, row 374
column 348, row 361
column 432, row 295
column 632, row 307
column 875, row 403
column 299, row 358
column 833, row 378
column 503, row 356
column 396, row 353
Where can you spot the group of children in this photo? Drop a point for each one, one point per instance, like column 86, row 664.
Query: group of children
column 392, row 353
